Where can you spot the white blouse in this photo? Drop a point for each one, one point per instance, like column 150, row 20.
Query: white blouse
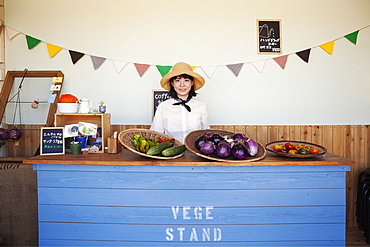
column 176, row 121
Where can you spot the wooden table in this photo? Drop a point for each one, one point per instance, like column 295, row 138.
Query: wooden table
column 128, row 200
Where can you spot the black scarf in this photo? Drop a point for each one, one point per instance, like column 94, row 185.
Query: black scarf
column 183, row 102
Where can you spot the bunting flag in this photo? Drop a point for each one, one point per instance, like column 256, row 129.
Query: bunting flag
column 141, row 68
column 75, row 56
column 259, row 65
column 352, row 36
column 328, row 47
column 235, row 68
column 304, row 55
column 53, row 49
column 281, row 60
column 209, row 70
column 119, row 65
column 11, row 32
column 32, row 42
column 97, row 61
column 163, row 69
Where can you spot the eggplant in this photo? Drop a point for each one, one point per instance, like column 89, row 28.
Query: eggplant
column 200, row 141
column 238, row 136
column 216, row 138
column 239, row 151
column 223, row 150
column 208, row 148
column 251, row 146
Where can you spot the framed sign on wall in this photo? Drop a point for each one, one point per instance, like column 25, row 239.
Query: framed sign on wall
column 158, row 96
column 269, row 36
column 52, row 141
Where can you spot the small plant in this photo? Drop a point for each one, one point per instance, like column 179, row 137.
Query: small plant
column 101, row 103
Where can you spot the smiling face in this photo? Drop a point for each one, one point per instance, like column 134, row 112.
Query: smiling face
column 182, row 86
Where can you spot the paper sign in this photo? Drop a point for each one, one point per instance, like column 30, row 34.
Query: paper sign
column 52, row 98
column 57, row 79
column 55, row 88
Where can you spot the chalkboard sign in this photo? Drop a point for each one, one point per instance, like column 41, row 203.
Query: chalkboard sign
column 269, row 36
column 52, row 141
column 158, row 97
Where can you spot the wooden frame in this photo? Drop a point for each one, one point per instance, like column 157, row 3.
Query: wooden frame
column 269, row 36
column 8, row 84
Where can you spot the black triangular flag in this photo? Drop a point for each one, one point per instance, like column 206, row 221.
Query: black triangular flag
column 75, row 56
column 304, row 55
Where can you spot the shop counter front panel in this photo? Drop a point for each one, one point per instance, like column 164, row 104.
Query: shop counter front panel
column 84, row 205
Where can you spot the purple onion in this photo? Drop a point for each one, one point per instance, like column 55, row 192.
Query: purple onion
column 4, row 134
column 15, row 133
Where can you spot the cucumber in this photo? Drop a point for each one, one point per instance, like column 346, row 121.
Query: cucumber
column 157, row 150
column 173, row 151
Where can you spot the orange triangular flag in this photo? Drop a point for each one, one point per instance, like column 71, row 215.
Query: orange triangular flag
column 281, row 60
column 328, row 47
column 53, row 49
column 141, row 68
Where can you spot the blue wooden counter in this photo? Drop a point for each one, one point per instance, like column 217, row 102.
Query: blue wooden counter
column 128, row 200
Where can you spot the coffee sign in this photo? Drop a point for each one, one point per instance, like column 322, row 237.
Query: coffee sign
column 269, row 36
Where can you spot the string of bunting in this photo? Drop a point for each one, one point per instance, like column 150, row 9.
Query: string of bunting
column 164, row 69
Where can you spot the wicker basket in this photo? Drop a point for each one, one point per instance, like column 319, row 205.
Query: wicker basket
column 270, row 147
column 125, row 137
column 192, row 137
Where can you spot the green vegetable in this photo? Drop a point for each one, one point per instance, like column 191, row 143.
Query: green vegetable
column 173, row 151
column 157, row 150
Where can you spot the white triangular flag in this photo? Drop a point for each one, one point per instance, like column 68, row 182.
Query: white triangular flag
column 119, row 65
column 11, row 32
column 209, row 70
column 259, row 65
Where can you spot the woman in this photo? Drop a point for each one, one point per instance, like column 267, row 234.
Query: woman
column 181, row 114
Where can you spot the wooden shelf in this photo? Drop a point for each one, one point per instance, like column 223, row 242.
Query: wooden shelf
column 100, row 119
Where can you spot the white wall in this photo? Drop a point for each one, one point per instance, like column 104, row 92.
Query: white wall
column 330, row 89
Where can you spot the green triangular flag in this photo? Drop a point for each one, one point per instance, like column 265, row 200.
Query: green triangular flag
column 163, row 69
column 32, row 42
column 352, row 37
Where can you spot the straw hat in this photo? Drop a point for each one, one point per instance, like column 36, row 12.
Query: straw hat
column 179, row 69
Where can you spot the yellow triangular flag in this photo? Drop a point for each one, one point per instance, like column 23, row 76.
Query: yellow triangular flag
column 328, row 47
column 193, row 67
column 53, row 49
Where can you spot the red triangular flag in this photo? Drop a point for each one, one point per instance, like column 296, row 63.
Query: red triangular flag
column 141, row 68
column 75, row 56
column 281, row 60
column 304, row 55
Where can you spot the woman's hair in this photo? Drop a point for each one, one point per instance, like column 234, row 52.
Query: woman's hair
column 173, row 93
